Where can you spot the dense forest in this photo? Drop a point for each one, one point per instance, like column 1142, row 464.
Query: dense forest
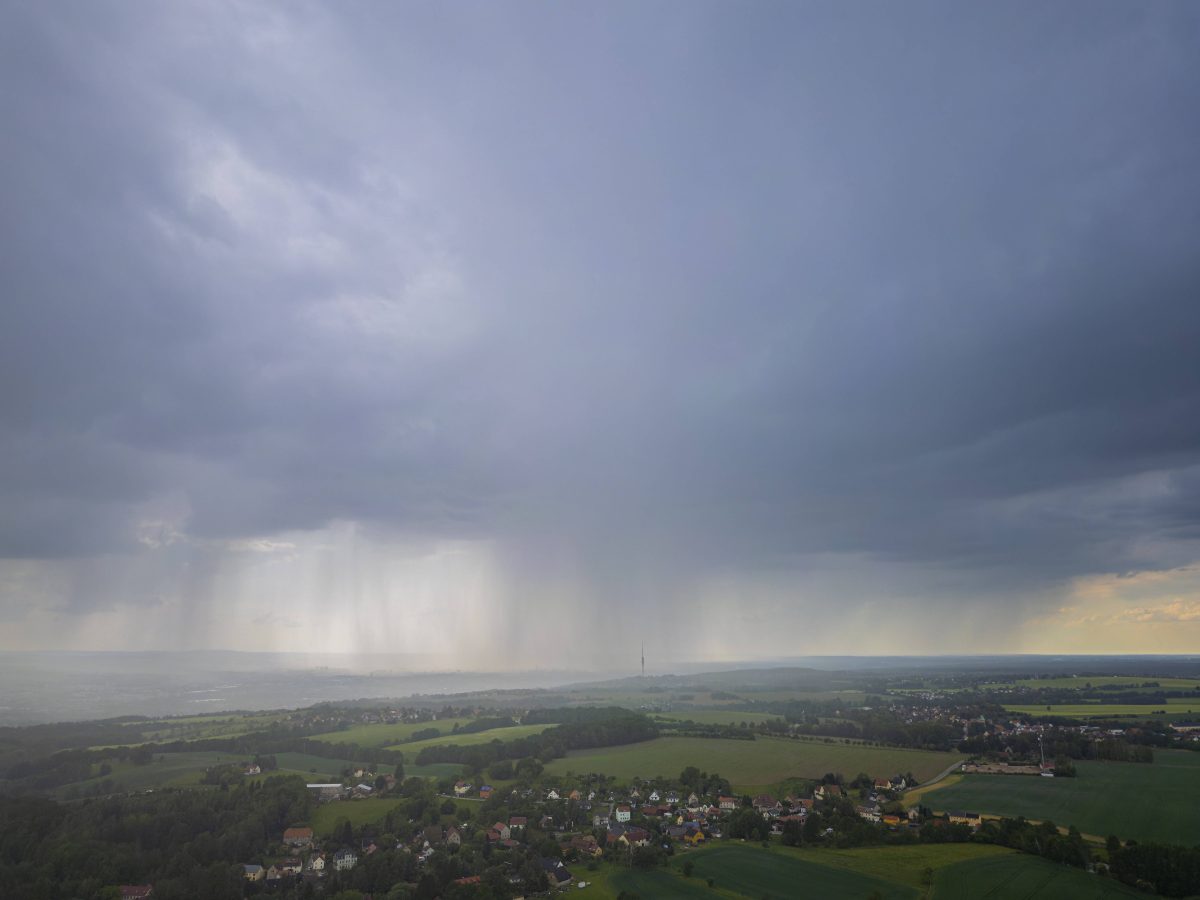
column 184, row 842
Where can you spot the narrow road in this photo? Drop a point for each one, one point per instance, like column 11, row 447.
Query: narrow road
column 950, row 769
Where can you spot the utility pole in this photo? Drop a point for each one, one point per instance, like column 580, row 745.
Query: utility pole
column 643, row 659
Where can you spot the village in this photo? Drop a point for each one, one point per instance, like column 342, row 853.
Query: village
column 568, row 830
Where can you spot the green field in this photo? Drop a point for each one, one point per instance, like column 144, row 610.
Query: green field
column 750, row 765
column 1145, row 802
column 167, row 770
column 904, row 864
column 195, row 728
column 1017, row 876
column 1176, row 706
column 751, row 872
column 358, row 812
column 649, row 883
column 319, row 765
column 718, row 717
column 755, row 872
column 1097, row 681
column 383, row 735
column 850, row 697
column 511, row 733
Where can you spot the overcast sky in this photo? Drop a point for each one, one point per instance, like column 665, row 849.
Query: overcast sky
column 519, row 333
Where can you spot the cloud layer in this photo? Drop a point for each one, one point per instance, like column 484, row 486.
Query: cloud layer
column 692, row 319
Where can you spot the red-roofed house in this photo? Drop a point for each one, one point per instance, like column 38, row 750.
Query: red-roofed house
column 298, row 837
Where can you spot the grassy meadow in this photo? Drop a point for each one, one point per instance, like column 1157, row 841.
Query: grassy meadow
column 1142, row 801
column 751, row 872
column 718, row 717
column 378, row 735
column 903, row 864
column 1174, row 706
column 411, row 749
column 751, row 766
column 358, row 812
column 1079, row 682
column 166, row 770
column 1018, row 876
column 754, row 872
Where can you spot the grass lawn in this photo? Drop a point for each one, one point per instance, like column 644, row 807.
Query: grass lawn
column 1145, row 802
column 718, row 717
column 1017, row 876
column 511, row 733
column 358, row 812
column 752, row 766
column 1178, row 706
column 384, row 735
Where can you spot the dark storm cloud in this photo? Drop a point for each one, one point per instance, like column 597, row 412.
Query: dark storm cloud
column 675, row 287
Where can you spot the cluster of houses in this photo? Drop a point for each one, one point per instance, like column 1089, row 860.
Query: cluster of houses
column 325, row 792
column 637, row 818
column 311, row 867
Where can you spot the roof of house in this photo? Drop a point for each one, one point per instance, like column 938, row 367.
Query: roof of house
column 297, row 833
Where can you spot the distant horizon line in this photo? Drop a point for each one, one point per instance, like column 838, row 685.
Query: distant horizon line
column 690, row 661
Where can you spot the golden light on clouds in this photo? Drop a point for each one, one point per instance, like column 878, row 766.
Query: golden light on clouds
column 1143, row 612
